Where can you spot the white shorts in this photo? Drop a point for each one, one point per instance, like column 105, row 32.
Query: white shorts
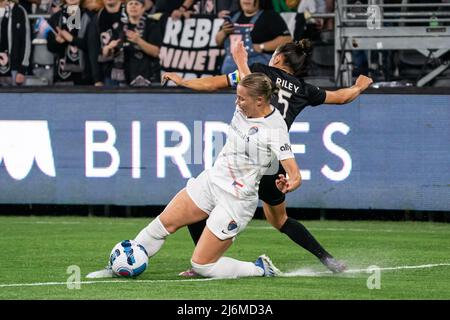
column 228, row 215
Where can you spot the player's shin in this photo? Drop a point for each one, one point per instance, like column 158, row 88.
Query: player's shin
column 300, row 235
column 152, row 237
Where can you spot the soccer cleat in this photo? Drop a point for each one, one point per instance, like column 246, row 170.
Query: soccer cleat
column 267, row 265
column 104, row 273
column 188, row 273
column 334, row 265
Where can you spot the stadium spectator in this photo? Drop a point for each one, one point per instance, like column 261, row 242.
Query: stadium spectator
column 106, row 31
column 141, row 46
column 225, row 7
column 228, row 201
column 178, row 9
column 129, row 45
column 307, row 26
column 92, row 6
column 15, row 43
column 167, row 7
column 44, row 7
column 285, row 5
column 56, row 6
column 150, row 7
column 208, row 7
column 28, row 5
column 261, row 30
column 183, row 11
column 69, row 44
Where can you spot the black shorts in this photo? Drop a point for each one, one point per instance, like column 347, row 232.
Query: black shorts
column 268, row 191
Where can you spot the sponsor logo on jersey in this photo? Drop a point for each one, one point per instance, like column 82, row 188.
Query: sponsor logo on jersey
column 286, row 147
column 24, row 142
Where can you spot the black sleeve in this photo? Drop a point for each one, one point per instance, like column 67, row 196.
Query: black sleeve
column 22, row 37
column 269, row 26
column 81, row 42
column 153, row 33
column 93, row 40
column 278, row 26
column 315, row 95
column 52, row 45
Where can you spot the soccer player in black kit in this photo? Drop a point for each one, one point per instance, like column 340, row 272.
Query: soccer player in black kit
column 285, row 67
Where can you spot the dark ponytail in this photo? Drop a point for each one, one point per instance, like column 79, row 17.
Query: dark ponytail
column 296, row 55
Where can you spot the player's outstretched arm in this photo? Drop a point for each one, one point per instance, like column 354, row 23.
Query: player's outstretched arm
column 347, row 95
column 284, row 184
column 240, row 57
column 200, row 84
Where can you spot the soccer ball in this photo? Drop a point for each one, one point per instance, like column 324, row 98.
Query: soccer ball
column 128, row 259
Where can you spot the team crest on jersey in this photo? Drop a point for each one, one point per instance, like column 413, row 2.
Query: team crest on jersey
column 252, row 130
column 232, row 225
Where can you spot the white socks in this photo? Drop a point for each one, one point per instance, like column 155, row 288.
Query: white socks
column 227, row 268
column 152, row 237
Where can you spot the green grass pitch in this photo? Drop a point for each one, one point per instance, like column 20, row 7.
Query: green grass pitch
column 414, row 258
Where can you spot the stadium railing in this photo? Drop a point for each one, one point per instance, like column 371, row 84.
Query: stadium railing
column 423, row 27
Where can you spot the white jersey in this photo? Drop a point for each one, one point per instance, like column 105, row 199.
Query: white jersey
column 253, row 146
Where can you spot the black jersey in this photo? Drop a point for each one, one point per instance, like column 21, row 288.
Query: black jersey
column 294, row 94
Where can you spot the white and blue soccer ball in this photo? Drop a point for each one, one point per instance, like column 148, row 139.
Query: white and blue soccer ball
column 128, row 259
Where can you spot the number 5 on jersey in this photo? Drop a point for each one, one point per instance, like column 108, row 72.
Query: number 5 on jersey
column 282, row 96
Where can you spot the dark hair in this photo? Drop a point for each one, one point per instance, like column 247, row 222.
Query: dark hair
column 296, row 55
column 259, row 85
column 263, row 5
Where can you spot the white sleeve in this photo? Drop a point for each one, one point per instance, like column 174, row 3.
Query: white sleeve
column 280, row 144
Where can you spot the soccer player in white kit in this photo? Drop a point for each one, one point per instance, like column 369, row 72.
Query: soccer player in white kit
column 227, row 193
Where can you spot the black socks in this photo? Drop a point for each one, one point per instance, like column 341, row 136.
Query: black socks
column 196, row 230
column 301, row 236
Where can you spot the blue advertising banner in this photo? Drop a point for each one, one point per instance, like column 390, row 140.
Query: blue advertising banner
column 381, row 151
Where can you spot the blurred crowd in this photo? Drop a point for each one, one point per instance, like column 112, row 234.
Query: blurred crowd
column 117, row 42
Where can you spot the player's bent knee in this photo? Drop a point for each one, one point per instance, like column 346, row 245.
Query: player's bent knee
column 278, row 223
column 169, row 227
column 205, row 270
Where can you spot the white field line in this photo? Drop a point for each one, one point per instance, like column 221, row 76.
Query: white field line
column 39, row 284
column 297, row 273
column 310, row 273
